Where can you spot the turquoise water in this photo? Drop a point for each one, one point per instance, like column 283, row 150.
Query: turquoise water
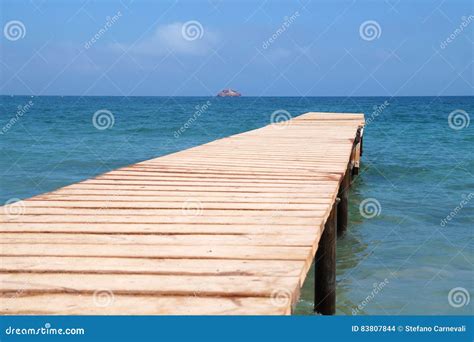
column 416, row 167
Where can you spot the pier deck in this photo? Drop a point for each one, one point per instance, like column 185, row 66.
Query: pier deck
column 228, row 227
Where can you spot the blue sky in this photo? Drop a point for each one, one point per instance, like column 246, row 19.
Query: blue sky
column 319, row 48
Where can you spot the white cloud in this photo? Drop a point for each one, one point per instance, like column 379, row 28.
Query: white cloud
column 277, row 54
column 170, row 38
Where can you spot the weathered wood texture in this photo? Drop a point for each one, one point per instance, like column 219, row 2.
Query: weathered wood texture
column 229, row 227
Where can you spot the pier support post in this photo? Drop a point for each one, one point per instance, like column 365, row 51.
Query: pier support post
column 325, row 268
column 343, row 205
column 357, row 151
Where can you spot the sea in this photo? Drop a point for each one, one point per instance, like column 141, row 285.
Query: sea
column 409, row 246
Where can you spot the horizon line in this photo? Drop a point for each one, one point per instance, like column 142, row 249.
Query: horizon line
column 246, row 96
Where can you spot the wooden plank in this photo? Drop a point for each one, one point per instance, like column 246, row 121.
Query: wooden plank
column 178, row 175
column 213, row 180
column 192, row 208
column 105, row 303
column 228, row 172
column 158, row 240
column 212, row 183
column 144, row 284
column 155, row 228
column 259, row 195
column 156, row 189
column 164, row 251
column 137, row 185
column 105, row 265
column 173, row 197
column 119, row 203
column 181, row 219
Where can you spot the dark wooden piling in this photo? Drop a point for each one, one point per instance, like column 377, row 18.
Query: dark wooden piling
column 343, row 205
column 325, row 268
column 357, row 152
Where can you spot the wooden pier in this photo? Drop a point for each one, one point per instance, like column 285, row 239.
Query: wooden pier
column 228, row 227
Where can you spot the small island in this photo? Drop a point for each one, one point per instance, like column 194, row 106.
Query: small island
column 229, row 93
